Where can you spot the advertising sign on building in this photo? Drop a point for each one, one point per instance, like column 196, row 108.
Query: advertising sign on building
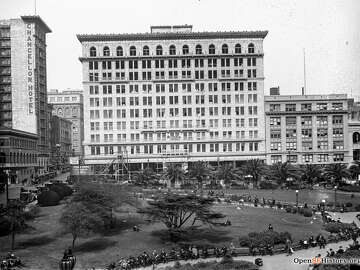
column 24, row 84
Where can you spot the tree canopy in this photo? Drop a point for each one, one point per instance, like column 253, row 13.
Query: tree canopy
column 78, row 220
column 177, row 211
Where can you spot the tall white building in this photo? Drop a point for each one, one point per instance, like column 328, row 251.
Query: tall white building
column 173, row 95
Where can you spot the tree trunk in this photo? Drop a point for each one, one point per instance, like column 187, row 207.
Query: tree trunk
column 73, row 242
column 12, row 234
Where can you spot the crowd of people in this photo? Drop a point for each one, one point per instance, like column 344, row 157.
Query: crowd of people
column 10, row 262
column 186, row 253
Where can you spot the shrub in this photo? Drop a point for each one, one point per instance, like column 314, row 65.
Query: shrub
column 267, row 185
column 32, row 212
column 5, row 226
column 227, row 259
column 61, row 189
column 294, row 210
column 308, row 213
column 350, row 188
column 335, row 227
column 48, row 198
column 288, row 209
column 348, row 204
column 263, row 238
column 357, row 208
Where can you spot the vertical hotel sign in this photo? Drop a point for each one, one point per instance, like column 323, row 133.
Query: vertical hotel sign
column 30, row 58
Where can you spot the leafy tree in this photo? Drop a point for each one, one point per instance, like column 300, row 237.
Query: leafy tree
column 101, row 199
column 199, row 170
column 175, row 173
column 280, row 172
column 15, row 213
column 145, row 177
column 78, row 220
column 311, row 173
column 335, row 172
column 226, row 172
column 354, row 169
column 254, row 167
column 177, row 211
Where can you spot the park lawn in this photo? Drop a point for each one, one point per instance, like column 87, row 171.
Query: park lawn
column 42, row 246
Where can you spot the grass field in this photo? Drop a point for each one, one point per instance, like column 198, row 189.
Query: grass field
column 42, row 245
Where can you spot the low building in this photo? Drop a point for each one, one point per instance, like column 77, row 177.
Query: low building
column 60, row 142
column 68, row 104
column 18, row 155
column 307, row 129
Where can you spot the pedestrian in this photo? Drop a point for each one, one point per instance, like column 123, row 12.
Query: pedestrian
column 270, row 228
column 288, row 247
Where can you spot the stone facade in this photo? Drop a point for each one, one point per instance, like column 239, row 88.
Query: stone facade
column 153, row 104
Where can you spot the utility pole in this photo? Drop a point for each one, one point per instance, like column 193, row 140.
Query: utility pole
column 304, row 72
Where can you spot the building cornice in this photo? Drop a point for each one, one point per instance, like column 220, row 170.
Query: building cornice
column 38, row 20
column 172, row 36
column 17, row 133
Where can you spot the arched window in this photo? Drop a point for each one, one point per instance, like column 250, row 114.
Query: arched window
column 356, row 137
column 132, row 51
column 238, row 48
column 198, row 49
column 225, row 49
column 119, row 51
column 251, row 48
column 211, row 49
column 106, row 51
column 92, row 52
column 146, row 50
column 172, row 50
column 185, row 49
column 159, row 50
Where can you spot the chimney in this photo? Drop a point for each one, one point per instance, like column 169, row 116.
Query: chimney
column 275, row 91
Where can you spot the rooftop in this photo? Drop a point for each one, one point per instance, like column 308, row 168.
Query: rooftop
column 172, row 35
column 305, row 97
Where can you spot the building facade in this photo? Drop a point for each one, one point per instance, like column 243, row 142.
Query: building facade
column 173, row 95
column 307, row 128
column 18, row 155
column 354, row 131
column 60, row 142
column 68, row 104
column 23, row 97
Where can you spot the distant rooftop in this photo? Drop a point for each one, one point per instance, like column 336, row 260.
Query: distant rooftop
column 169, row 32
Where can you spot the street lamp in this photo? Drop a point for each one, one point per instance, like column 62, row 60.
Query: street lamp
column 335, row 189
column 297, row 198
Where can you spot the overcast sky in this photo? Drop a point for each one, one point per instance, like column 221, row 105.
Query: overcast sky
column 327, row 29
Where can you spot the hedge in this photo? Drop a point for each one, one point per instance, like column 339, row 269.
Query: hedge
column 267, row 185
column 48, row 198
column 263, row 238
column 335, row 227
column 349, row 188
